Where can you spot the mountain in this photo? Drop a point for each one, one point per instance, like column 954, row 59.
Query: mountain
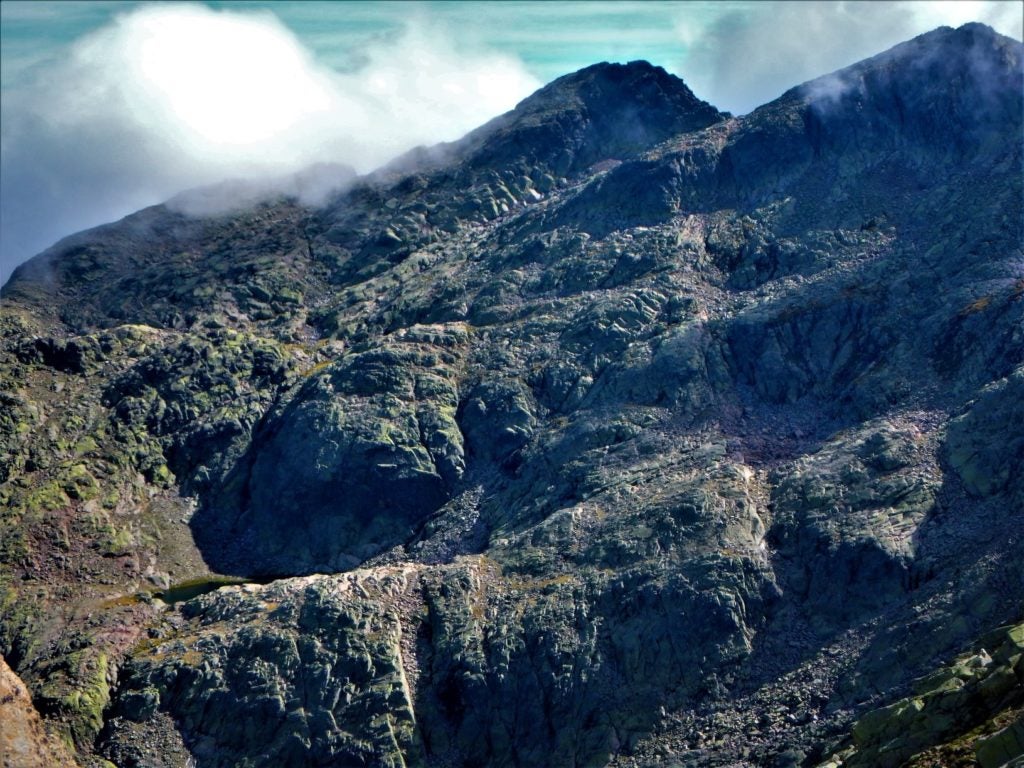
column 622, row 432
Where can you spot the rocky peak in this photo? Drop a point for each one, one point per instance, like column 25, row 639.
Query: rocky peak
column 585, row 122
column 949, row 87
column 924, row 108
column 605, row 90
column 606, row 111
column 972, row 56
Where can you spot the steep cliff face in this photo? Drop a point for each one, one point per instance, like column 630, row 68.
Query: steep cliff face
column 622, row 431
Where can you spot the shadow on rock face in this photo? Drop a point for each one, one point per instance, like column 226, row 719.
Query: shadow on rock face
column 347, row 468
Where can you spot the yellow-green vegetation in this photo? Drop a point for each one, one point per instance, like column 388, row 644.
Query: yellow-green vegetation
column 120, row 542
column 20, row 613
column 315, row 369
column 89, row 699
column 79, row 484
column 48, row 497
column 86, row 445
column 78, row 686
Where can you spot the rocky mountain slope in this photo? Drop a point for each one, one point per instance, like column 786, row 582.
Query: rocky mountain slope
column 621, row 432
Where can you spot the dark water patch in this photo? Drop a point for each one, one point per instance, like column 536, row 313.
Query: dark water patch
column 187, row 590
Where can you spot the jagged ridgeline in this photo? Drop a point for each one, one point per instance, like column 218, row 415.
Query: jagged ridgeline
column 621, row 432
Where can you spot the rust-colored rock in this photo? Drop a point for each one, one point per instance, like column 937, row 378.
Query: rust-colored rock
column 24, row 742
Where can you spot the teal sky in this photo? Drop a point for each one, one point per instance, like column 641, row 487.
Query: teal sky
column 91, row 130
column 551, row 38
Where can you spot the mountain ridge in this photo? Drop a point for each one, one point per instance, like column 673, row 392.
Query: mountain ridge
column 688, row 445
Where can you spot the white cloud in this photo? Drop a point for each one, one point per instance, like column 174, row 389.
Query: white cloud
column 748, row 57
column 168, row 97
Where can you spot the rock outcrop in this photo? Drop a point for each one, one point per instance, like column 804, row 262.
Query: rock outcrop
column 977, row 689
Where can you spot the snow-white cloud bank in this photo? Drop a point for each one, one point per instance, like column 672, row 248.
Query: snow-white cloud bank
column 169, row 97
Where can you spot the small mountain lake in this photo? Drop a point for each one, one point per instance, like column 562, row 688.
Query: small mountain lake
column 186, row 590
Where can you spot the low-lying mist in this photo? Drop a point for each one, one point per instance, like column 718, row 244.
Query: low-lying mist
column 167, row 98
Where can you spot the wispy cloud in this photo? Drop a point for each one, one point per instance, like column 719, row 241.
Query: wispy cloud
column 168, row 97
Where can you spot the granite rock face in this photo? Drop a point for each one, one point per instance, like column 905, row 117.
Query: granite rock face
column 366, row 450
column 620, row 432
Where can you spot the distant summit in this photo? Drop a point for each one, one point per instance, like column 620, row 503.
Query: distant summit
column 946, row 88
column 606, row 111
column 973, row 55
